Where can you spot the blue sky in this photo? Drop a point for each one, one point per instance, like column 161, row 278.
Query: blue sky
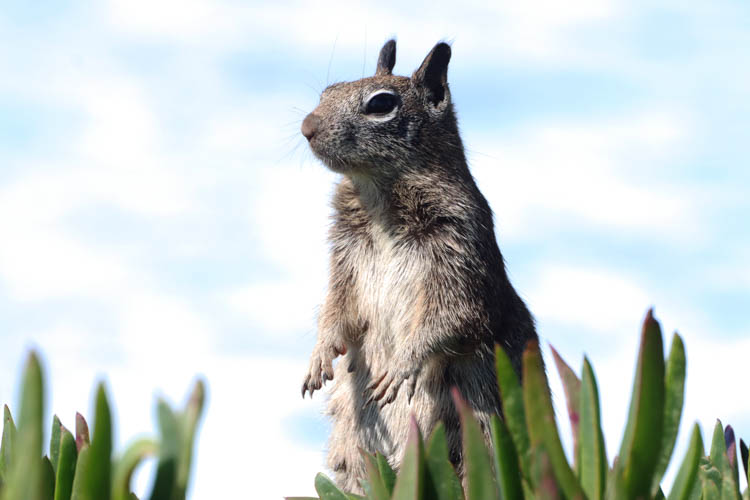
column 162, row 216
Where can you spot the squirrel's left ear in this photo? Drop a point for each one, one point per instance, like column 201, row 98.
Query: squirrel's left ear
column 433, row 73
column 387, row 59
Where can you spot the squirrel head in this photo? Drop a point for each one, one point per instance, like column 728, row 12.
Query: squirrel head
column 385, row 124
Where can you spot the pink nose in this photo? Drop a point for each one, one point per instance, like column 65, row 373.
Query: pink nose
column 310, row 125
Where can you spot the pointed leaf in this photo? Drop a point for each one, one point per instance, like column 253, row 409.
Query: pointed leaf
column 327, row 489
column 54, row 442
column 410, row 480
column 507, row 472
column 190, row 419
column 47, row 480
column 99, row 483
column 674, row 395
column 615, row 487
column 641, row 445
column 719, row 459
column 593, row 465
column 375, row 489
column 731, row 445
column 125, row 466
column 544, row 476
column 25, row 481
column 572, row 386
column 540, row 420
column 169, row 450
column 442, row 482
column 688, row 473
column 80, row 478
column 514, row 413
column 477, row 466
column 386, row 472
column 82, row 432
column 7, row 445
column 745, row 457
column 66, row 465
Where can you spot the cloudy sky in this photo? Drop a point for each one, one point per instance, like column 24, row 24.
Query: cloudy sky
column 162, row 218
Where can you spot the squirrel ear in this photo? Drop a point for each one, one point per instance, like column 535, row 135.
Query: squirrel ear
column 433, row 73
column 387, row 58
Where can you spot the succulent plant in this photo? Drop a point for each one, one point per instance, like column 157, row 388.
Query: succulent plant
column 527, row 458
column 82, row 466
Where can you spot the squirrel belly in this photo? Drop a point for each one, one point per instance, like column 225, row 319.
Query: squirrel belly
column 418, row 294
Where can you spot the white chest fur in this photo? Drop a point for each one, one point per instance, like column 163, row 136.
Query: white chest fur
column 388, row 280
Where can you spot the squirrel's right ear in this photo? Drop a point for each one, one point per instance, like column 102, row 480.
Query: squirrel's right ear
column 433, row 73
column 387, row 59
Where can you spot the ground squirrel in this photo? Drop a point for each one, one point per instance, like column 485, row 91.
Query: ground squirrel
column 418, row 294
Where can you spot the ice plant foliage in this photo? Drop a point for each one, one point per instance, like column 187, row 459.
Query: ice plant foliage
column 82, row 466
column 527, row 459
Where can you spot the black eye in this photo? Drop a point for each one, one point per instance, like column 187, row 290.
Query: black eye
column 380, row 104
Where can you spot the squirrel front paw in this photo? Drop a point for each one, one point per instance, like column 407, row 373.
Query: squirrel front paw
column 384, row 388
column 321, row 365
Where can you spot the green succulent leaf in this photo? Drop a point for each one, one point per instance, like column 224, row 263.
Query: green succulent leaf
column 26, row 473
column 99, row 481
column 507, row 471
column 540, row 419
column 375, row 487
column 572, row 387
column 82, row 472
column 442, row 482
column 126, row 465
column 66, row 465
column 593, row 465
column 547, row 487
column 710, row 477
column 477, row 465
column 386, row 472
column 726, row 483
column 410, row 480
column 731, row 445
column 7, row 445
column 688, row 473
column 47, row 481
column 745, row 457
column 641, row 445
column 674, row 396
column 327, row 489
column 82, row 432
column 169, row 451
column 189, row 420
column 54, row 442
column 514, row 413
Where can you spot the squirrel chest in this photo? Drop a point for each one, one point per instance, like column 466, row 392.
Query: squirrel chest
column 387, row 274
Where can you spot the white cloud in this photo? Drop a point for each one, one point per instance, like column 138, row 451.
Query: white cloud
column 278, row 307
column 522, row 32
column 595, row 299
column 244, row 436
column 555, row 174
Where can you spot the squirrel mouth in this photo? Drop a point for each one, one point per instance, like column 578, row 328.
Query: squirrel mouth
column 332, row 161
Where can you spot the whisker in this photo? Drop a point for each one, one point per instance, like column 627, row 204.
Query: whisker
column 330, row 61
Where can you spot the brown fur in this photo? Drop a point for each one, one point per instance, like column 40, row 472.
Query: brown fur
column 418, row 294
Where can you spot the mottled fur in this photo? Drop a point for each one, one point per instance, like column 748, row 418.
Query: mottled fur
column 418, row 293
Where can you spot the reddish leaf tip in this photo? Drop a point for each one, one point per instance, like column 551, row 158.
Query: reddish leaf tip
column 458, row 400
